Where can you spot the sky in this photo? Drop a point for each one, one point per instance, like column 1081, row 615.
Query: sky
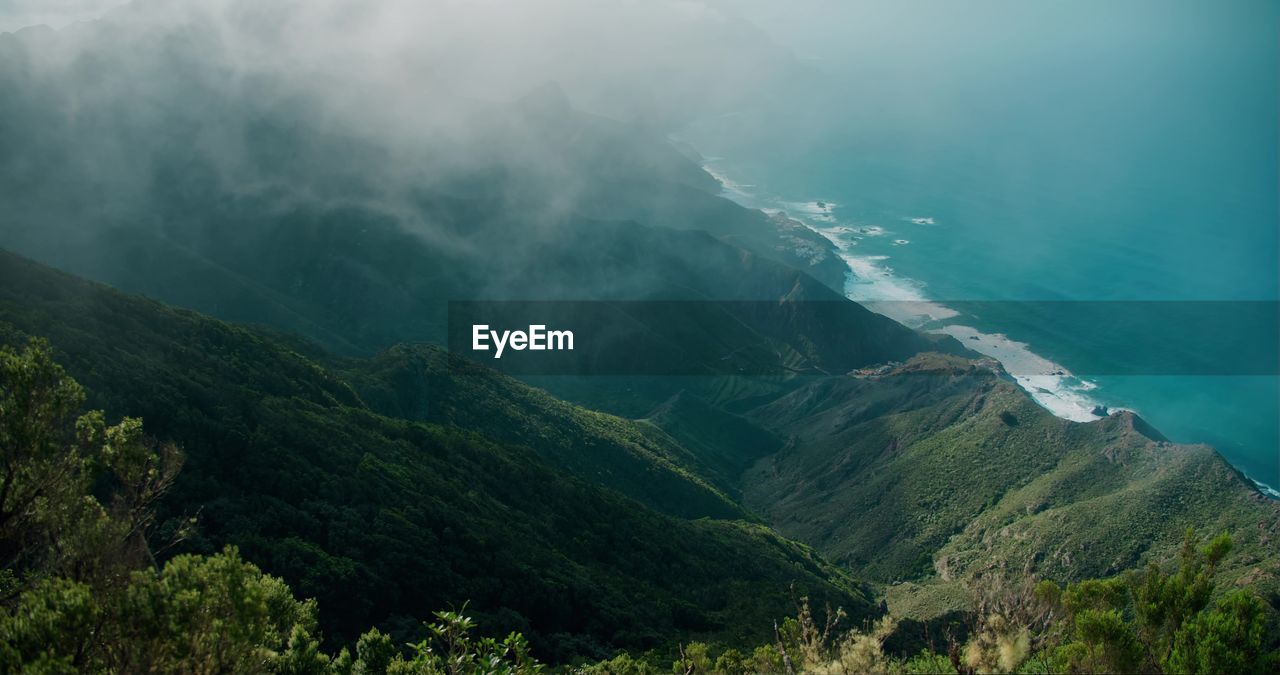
column 16, row 14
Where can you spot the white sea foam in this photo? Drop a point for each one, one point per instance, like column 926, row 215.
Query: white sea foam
column 1049, row 383
column 1266, row 489
column 819, row 209
column 731, row 189
column 873, row 283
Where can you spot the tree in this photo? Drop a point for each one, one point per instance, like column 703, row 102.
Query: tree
column 1157, row 621
column 80, row 590
column 622, row 664
column 452, row 650
column 199, row 614
column 1164, row 602
column 1225, row 639
column 694, row 659
column 732, row 662
column 51, row 460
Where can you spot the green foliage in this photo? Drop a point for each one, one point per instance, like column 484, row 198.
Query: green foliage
column 694, row 658
column 302, row 655
column 766, row 659
column 1029, row 627
column 220, row 614
column 209, row 614
column 930, row 486
column 1147, row 620
column 1013, row 617
column 804, row 640
column 622, row 664
column 732, row 662
column 50, row 460
column 365, row 511
column 381, row 519
column 1108, row 640
column 1158, row 621
column 76, row 608
column 1165, row 602
column 76, row 501
column 928, row 663
column 425, row 383
column 1225, row 639
column 45, row 629
column 453, row 650
column 374, row 652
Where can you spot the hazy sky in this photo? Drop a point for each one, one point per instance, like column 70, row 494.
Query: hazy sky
column 15, row 14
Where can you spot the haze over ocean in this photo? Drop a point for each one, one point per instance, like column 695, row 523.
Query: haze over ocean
column 1128, row 154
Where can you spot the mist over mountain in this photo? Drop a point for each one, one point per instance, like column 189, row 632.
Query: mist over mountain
column 244, row 223
column 220, row 134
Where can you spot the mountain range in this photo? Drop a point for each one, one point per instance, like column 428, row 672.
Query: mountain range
column 268, row 290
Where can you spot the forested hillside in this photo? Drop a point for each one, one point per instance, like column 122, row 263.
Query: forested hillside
column 384, row 520
column 263, row 457
column 942, row 469
column 381, row 509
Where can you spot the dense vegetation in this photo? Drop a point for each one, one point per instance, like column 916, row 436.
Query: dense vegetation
column 262, row 465
column 1152, row 620
column 424, row 383
column 81, row 593
column 633, row 523
column 79, row 590
column 383, row 519
column 942, row 469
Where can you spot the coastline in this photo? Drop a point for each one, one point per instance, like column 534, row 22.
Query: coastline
column 871, row 282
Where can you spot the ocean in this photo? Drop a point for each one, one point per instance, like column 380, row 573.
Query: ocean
column 1090, row 196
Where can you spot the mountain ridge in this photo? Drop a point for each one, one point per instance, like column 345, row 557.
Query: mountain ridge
column 384, row 519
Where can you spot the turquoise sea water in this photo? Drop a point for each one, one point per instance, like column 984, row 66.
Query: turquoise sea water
column 1075, row 153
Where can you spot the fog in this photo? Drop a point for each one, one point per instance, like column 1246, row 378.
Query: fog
column 646, row 61
column 17, row 14
column 423, row 88
column 342, row 102
column 262, row 161
column 259, row 159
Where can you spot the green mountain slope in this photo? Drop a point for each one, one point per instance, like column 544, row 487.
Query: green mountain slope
column 943, row 469
column 726, row 444
column 356, row 239
column 424, row 383
column 387, row 479
column 384, row 520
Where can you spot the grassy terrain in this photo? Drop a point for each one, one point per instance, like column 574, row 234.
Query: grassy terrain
column 943, row 470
